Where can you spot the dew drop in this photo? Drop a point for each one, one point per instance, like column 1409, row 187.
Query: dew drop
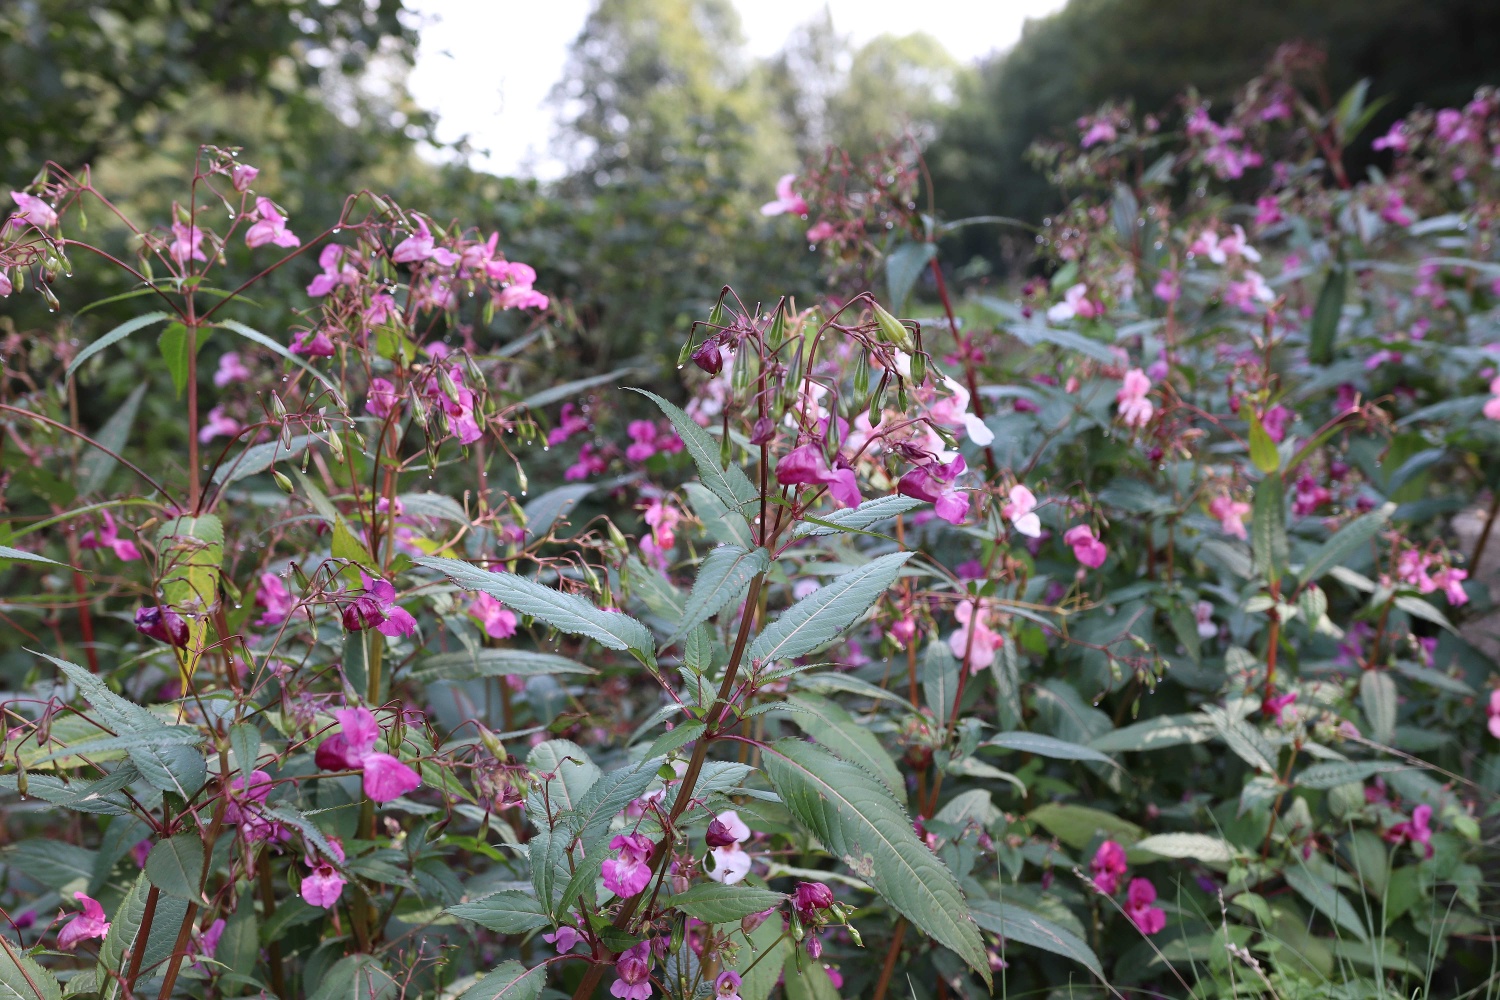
column 337, row 230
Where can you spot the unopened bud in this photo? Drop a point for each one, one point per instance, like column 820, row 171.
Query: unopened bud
column 709, row 358
column 862, row 374
column 763, row 432
column 491, row 743
column 521, row 479
column 282, row 481
column 777, row 331
column 278, row 408
column 617, row 538
column 892, row 330
column 336, row 446
column 918, row 368
column 450, row 389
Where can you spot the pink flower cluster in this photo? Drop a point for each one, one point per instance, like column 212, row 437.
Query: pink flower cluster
column 1108, row 868
column 353, row 749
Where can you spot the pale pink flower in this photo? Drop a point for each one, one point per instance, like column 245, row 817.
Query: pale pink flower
column 5, row 286
column 242, row 176
column 1395, row 140
column 1134, row 408
column 187, row 244
column 564, row 938
column 218, row 424
column 1021, row 512
column 1087, row 548
column 1246, row 293
column 986, row 642
column 323, row 885
column 725, row 835
column 1203, row 613
column 1167, row 288
column 1095, row 131
column 787, row 200
column 33, row 210
column 1494, row 713
column 83, row 926
column 953, row 411
column 1230, row 514
column 820, row 231
column 498, row 621
column 628, row 873
column 269, row 227
column 231, row 369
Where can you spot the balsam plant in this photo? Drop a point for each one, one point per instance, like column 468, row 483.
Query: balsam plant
column 1114, row 638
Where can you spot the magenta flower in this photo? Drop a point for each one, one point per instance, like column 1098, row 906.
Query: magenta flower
column 569, row 423
column 377, row 608
column 33, row 210
column 810, row 899
column 1275, row 421
column 643, row 437
column 382, row 398
column 727, row 986
column 269, row 227
column 335, row 272
column 628, row 874
column 1309, row 497
column 1494, row 713
column 1395, row 140
column 1275, row 707
column 1230, row 514
column 934, row 483
column 1415, row 830
column 162, row 624
column 419, row 246
column 313, row 343
column 462, row 420
column 1148, row 919
column 1108, row 867
column 1087, row 548
column 498, row 621
column 1451, row 580
column 986, row 643
column 634, row 969
column 231, row 369
column 1135, row 409
column 1021, row 512
column 788, row 201
column 725, row 835
column 590, row 463
column 820, row 231
column 218, row 424
column 242, row 176
column 565, row 937
column 353, row 749
column 108, row 537
column 805, row 466
column 323, row 885
column 244, row 809
column 1267, row 211
column 83, row 926
column 187, row 244
column 1167, row 288
column 274, row 596
column 204, row 943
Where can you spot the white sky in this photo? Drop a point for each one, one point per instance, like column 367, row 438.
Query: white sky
column 486, row 66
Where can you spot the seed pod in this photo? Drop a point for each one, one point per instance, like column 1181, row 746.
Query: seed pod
column 862, row 375
column 776, row 332
column 918, row 369
column 901, row 400
column 282, row 481
column 278, row 408
column 336, row 446
column 877, row 401
column 892, row 330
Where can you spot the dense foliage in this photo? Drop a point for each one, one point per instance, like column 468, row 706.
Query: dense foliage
column 1114, row 636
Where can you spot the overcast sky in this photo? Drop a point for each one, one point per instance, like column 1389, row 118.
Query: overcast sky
column 486, row 66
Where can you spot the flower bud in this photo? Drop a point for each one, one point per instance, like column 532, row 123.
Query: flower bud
column 764, row 431
column 892, row 330
column 718, row 835
column 776, row 333
column 282, row 481
column 362, row 613
column 708, row 357
column 336, row 446
column 278, row 408
column 163, row 625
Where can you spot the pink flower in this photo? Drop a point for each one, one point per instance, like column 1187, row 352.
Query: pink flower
column 903, row 630
column 1267, row 211
column 205, row 943
column 628, row 873
column 1415, row 830
column 1108, row 867
column 313, row 343
column 953, row 411
column 5, row 286
column 565, row 937
column 1275, row 707
column 1087, row 548
column 382, row 399
column 725, row 835
column 274, row 596
column 643, row 436
column 1395, row 211
column 1230, row 514
column 1494, row 713
column 231, row 369
column 810, row 900
column 934, row 483
column 463, row 423
column 1395, row 140
column 1275, row 421
column 1098, row 130
column 1075, row 303
column 162, row 624
column 820, row 231
column 335, row 272
column 1167, row 288
column 589, row 464
column 419, row 246
column 1309, row 497
column 1148, row 919
column 1244, row 294
column 108, row 537
column 1204, row 615
column 727, row 986
column 634, row 970
column 805, row 466
column 787, row 201
column 569, row 423
column 498, row 621
column 1451, row 580
column 187, row 244
column 243, row 809
column 34, row 211
column 83, row 926
column 323, row 886
column 269, row 227
column 377, row 607
column 1020, row 512
column 218, row 425
column 986, row 642
column 353, row 749
column 242, row 176
column 1135, row 409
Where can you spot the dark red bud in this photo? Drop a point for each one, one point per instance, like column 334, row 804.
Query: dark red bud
column 708, row 358
column 763, row 431
column 718, row 835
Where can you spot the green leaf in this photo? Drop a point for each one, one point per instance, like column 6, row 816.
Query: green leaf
column 505, row 912
column 591, row 818
column 1077, row 826
column 823, row 615
column 1418, row 608
column 1196, row 846
column 6, row 552
column 53, row 863
column 1245, row 740
column 1328, row 900
column 471, row 665
column 114, row 336
column 714, row 903
column 546, row 509
column 175, row 866
column 1262, row 449
column 1268, row 527
column 124, row 928
column 1344, row 542
column 730, row 484
column 1377, row 696
column 1015, row 924
column 903, row 266
column 940, row 669
column 21, row 978
column 566, row 612
column 1325, row 321
column 1046, row 746
column 805, row 979
column 721, row 523
column 1333, row 773
column 1157, row 734
column 258, row 459
column 858, row 518
column 356, row 977
column 849, row 684
column 95, row 465
column 173, row 344
column 244, row 740
column 573, row 773
column 723, row 577
column 509, row 981
column 758, row 958
column 855, row 818
column 255, row 336
column 1035, row 332
column 833, row 727
column 676, row 738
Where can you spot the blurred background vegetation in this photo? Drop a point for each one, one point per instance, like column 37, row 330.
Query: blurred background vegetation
column 673, row 135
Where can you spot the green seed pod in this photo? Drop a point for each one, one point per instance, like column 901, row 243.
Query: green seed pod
column 892, row 330
column 901, row 401
column 336, row 446
column 877, row 401
column 862, row 375
column 776, row 333
column 282, row 481
column 918, row 369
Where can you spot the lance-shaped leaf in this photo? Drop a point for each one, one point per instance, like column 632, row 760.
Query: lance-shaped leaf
column 175, row 866
column 1045, row 746
column 465, row 666
column 724, row 576
column 858, row 518
column 1344, row 542
column 566, row 612
column 114, row 336
column 21, row 978
column 1268, row 527
column 729, row 484
column 721, row 523
column 357, row 977
column 855, row 817
column 256, row 337
column 1024, row 927
column 829, row 724
column 95, row 465
column 823, row 615
column 505, row 912
column 124, row 929
column 714, row 903
column 511, row 981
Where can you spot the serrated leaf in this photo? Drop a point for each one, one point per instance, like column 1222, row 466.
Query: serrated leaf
column 730, row 484
column 53, row 863
column 1046, row 746
column 1333, row 773
column 1157, row 734
column 21, row 978
column 833, row 727
column 940, row 670
column 95, row 465
column 855, row 818
column 1196, row 846
column 6, row 552
column 1343, row 543
column 1076, row 826
column 1262, row 449
column 1268, row 527
column 591, row 818
column 572, row 774
column 1377, row 696
column 676, row 738
column 173, row 345
column 505, row 912
column 545, row 510
column 1245, row 740
column 722, row 524
column 714, row 903
column 471, row 665
column 175, row 866
column 124, row 928
column 723, row 576
column 509, row 981
column 356, row 977
column 823, row 615
column 1014, row 924
column 567, row 612
column 1326, row 899
column 571, row 390
column 114, row 336
column 858, row 518
column 1418, row 608
column 434, row 505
